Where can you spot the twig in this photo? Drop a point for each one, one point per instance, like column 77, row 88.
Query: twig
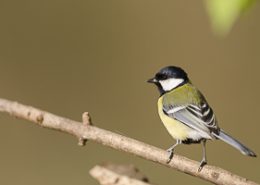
column 87, row 122
column 111, row 174
column 86, row 131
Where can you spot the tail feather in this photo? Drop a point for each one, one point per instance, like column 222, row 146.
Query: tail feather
column 235, row 143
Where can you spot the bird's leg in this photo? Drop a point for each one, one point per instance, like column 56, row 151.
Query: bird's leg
column 204, row 159
column 171, row 150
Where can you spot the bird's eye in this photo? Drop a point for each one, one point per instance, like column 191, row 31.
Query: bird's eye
column 161, row 76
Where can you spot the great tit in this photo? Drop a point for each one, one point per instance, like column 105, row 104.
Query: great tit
column 186, row 114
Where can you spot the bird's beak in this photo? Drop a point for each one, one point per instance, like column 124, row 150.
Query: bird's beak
column 152, row 80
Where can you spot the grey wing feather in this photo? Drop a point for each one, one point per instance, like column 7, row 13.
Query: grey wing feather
column 200, row 118
column 205, row 113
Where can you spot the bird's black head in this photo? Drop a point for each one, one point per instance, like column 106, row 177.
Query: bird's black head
column 169, row 78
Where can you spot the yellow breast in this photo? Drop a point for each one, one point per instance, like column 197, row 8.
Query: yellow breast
column 176, row 129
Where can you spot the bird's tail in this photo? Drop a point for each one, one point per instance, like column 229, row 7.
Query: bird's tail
column 235, row 143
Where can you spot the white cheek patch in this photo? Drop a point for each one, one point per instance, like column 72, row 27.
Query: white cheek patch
column 170, row 83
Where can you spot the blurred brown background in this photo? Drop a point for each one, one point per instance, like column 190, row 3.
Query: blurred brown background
column 68, row 57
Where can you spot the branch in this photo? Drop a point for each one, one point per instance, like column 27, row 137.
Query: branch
column 88, row 132
column 111, row 174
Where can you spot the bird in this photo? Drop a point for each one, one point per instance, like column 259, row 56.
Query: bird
column 186, row 114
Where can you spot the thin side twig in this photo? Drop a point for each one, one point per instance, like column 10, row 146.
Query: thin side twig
column 86, row 120
column 209, row 173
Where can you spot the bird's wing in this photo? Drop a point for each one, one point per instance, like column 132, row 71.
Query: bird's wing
column 198, row 117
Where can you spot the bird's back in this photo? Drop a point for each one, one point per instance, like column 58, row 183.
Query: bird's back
column 183, row 95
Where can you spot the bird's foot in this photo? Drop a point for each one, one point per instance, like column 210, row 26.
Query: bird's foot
column 202, row 163
column 170, row 152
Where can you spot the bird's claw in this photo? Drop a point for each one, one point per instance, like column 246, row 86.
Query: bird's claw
column 170, row 155
column 202, row 163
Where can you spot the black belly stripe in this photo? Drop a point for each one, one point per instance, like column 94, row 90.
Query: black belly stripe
column 191, row 141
